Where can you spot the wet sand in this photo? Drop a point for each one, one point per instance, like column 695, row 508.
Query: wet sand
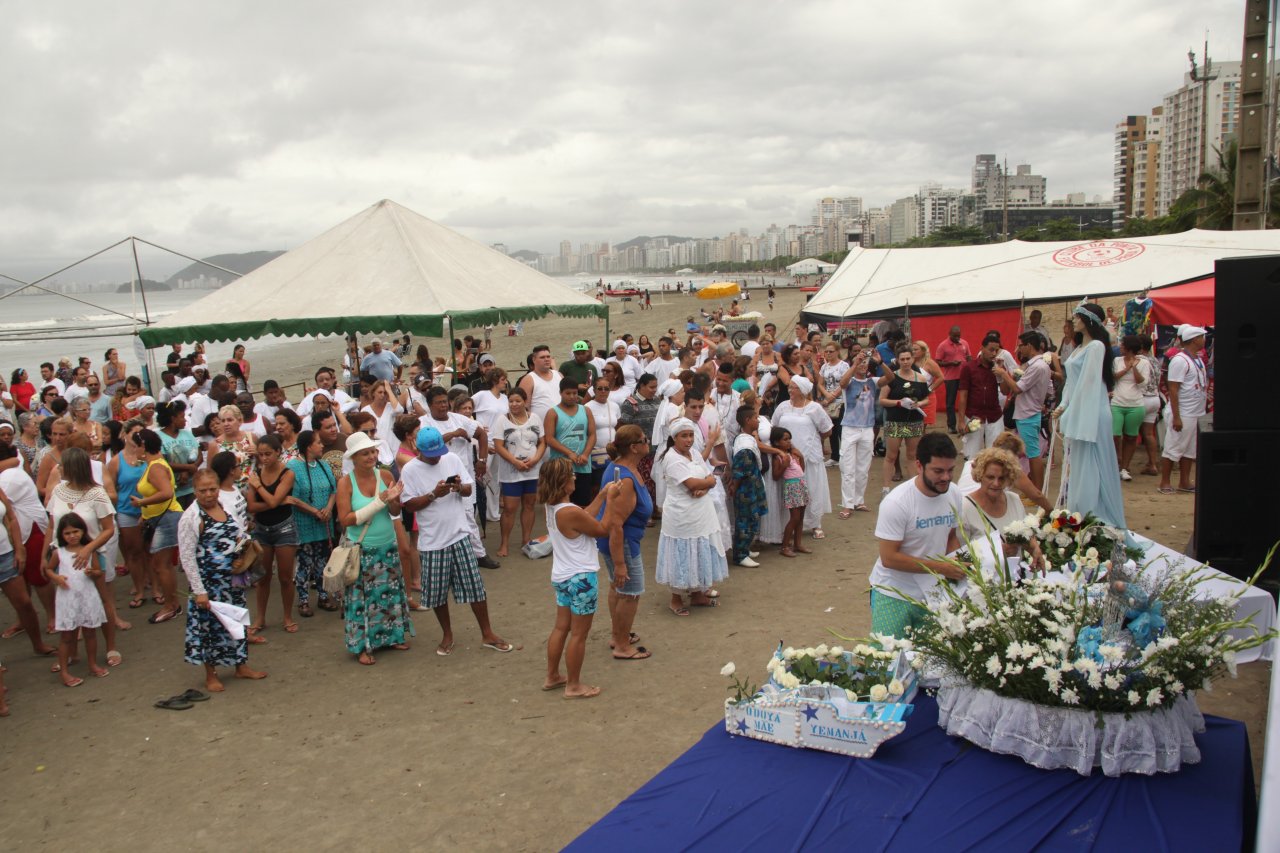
column 425, row 751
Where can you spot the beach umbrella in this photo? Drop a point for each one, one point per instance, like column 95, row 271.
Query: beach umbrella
column 720, row 290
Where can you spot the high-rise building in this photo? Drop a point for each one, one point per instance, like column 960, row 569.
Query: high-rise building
column 1129, row 134
column 992, row 188
column 986, row 181
column 904, row 219
column 1146, row 168
column 1198, row 118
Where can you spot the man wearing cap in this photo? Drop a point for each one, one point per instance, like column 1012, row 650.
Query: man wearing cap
column 580, row 368
column 437, row 490
column 478, row 380
column 382, row 363
column 1187, row 396
column 458, row 431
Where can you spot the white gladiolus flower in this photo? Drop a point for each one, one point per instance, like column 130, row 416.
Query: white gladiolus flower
column 1135, row 698
column 1069, row 697
column 728, row 669
column 917, row 663
column 1176, row 687
column 977, row 647
column 993, row 665
column 1155, row 697
column 879, row 693
column 1112, row 682
column 1167, row 642
column 1229, row 660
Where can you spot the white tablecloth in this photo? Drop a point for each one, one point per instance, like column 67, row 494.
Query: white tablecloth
column 1255, row 605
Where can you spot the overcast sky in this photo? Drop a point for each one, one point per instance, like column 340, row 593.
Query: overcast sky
column 228, row 127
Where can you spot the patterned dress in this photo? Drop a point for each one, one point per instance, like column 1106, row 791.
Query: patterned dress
column 376, row 614
column 207, row 641
column 748, row 497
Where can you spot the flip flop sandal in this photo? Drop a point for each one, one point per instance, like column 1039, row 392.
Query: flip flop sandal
column 10, row 633
column 711, row 593
column 818, row 534
column 679, row 611
column 75, row 682
column 641, row 653
column 710, row 602
column 135, row 603
column 291, row 628
column 114, row 658
column 846, row 513
column 445, row 651
column 1167, row 490
column 162, row 616
column 498, row 647
column 1190, row 491
column 193, row 695
column 173, row 703
column 862, row 508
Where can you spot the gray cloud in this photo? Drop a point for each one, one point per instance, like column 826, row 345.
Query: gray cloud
column 242, row 126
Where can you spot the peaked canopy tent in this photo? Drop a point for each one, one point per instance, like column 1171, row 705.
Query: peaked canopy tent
column 386, row 269
column 811, row 266
column 888, row 282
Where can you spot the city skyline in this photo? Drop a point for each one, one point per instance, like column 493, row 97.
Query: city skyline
column 563, row 121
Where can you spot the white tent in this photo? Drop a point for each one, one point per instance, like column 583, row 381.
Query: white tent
column 386, row 269
column 881, row 282
column 810, row 266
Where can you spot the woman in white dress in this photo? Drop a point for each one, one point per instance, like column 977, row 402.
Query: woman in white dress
column 691, row 556
column 808, row 424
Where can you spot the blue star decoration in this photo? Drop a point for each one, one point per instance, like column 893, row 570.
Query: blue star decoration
column 742, row 726
column 811, row 713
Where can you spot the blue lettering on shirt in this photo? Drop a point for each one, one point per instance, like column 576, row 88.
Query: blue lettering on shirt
column 948, row 520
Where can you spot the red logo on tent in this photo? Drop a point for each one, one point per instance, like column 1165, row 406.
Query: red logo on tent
column 1099, row 253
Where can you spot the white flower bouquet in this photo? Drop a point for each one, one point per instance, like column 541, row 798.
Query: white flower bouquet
column 1069, row 537
column 1073, row 675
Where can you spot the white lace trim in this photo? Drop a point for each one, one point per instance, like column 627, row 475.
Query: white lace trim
column 1147, row 742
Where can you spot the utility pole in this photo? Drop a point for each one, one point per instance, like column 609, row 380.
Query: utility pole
column 1251, row 165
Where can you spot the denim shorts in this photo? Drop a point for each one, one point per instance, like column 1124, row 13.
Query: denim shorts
column 164, row 531
column 281, row 535
column 519, row 488
column 123, row 521
column 579, row 593
column 8, row 567
column 635, row 572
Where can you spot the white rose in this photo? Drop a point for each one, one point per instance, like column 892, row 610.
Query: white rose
column 789, row 653
column 896, row 688
column 851, row 696
column 879, row 693
column 728, row 669
column 820, row 651
column 836, row 651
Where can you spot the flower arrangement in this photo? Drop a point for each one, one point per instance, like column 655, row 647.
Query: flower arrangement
column 1124, row 646
column 742, row 689
column 1069, row 537
column 864, row 673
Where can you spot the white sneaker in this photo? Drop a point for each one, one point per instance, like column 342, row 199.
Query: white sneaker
column 1125, row 475
column 753, row 553
column 748, row 563
column 831, row 463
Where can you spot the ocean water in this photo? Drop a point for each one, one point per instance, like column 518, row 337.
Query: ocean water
column 47, row 327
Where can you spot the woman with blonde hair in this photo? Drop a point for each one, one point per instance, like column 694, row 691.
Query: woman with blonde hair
column 925, row 364
column 992, row 506
column 1011, row 442
column 236, row 441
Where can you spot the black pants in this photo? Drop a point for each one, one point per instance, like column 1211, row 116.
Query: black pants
column 835, row 438
column 953, row 388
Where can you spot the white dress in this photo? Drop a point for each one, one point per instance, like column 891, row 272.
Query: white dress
column 775, row 518
column 79, row 605
column 806, row 426
column 690, row 547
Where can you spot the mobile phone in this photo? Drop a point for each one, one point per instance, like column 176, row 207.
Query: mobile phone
column 455, row 480
column 617, row 474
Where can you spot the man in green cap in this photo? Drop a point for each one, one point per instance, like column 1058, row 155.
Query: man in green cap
column 579, row 368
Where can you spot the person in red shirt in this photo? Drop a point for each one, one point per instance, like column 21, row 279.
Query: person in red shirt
column 978, row 399
column 951, row 355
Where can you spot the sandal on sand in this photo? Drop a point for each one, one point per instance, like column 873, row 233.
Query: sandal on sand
column 1166, row 490
column 862, row 508
column 500, row 646
column 75, row 682
column 641, row 653
column 679, row 611
column 114, row 658
column 818, row 534
column 11, row 632
column 590, row 694
column 710, row 602
column 136, row 602
column 162, row 616
column 173, row 703
column 193, row 695
column 445, row 651
column 846, row 513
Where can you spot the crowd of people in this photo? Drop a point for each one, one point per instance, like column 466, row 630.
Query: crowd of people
column 724, row 448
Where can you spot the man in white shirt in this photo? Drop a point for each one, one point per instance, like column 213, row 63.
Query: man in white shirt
column 78, row 387
column 458, row 431
column 542, row 385
column 48, row 377
column 753, row 341
column 1188, row 383
column 725, row 401
column 665, row 362
column 437, row 490
column 272, row 401
column 182, row 390
column 327, row 384
column 917, row 522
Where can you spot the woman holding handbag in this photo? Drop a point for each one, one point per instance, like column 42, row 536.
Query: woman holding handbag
column 376, row 612
column 313, row 499
column 208, row 540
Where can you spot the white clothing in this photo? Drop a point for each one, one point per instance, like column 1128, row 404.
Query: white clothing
column 631, row 370
column 1190, row 374
column 1180, row 444
column 749, row 348
column 234, row 504
column 922, row 524
column 75, row 392
column 521, row 441
column 6, row 543
column 201, row 406
column 569, row 556
column 664, row 368
column 344, row 401
column 606, row 417
column 981, row 438
column 977, row 523
column 546, row 394
column 460, row 447
column 269, row 412
column 443, row 521
column 775, row 517
column 806, row 426
column 256, row 428
column 726, row 408
column 489, row 407
column 857, row 445
column 56, row 383
column 388, row 444
column 683, row 515
column 21, row 491
column 1128, row 390
column 79, row 605
column 92, row 505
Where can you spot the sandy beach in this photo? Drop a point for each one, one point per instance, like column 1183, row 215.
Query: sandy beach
column 422, row 751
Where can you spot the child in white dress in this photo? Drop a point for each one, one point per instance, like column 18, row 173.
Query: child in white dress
column 78, row 605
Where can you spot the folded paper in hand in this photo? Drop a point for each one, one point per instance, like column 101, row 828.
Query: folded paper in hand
column 233, row 618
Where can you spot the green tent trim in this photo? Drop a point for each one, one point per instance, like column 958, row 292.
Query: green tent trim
column 425, row 325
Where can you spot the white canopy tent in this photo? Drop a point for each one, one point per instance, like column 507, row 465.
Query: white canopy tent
column 384, row 270
column 884, row 282
column 811, row 266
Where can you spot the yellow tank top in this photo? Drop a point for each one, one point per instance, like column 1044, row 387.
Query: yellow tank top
column 146, row 490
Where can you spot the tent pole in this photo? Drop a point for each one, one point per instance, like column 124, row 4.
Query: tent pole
column 448, row 340
column 150, row 367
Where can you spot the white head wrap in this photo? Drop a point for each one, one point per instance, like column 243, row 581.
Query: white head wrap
column 680, row 425
column 805, row 386
column 619, row 343
column 185, row 385
column 140, row 403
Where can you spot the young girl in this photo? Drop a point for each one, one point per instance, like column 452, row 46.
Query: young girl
column 789, row 468
column 78, row 604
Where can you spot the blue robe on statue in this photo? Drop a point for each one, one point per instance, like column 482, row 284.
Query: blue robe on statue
column 1093, row 478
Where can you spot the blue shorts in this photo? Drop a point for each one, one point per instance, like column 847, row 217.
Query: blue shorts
column 580, row 593
column 282, row 534
column 1029, row 432
column 519, row 488
column 163, row 531
column 8, row 567
column 635, row 572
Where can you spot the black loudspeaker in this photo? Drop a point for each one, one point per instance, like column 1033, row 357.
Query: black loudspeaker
column 1238, row 502
column 1246, row 296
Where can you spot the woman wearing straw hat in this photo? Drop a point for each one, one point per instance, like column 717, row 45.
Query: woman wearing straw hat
column 376, row 613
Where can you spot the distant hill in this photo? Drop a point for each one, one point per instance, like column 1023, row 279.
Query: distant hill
column 147, row 285
column 242, row 263
column 524, row 255
column 640, row 241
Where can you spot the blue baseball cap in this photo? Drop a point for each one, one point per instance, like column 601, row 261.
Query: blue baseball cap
column 430, row 444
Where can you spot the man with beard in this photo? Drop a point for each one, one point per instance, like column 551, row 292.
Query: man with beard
column 917, row 521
